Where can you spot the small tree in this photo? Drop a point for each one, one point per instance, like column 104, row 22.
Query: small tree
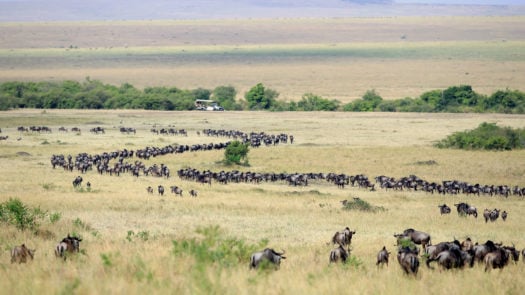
column 235, row 152
column 260, row 97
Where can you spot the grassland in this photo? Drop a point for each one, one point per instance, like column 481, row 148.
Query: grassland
column 336, row 58
column 300, row 220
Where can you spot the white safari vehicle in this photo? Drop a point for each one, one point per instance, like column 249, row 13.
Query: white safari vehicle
column 207, row 105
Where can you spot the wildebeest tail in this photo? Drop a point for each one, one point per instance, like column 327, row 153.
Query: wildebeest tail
column 414, row 264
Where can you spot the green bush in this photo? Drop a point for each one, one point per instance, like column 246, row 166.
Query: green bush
column 235, row 152
column 14, row 212
column 486, row 136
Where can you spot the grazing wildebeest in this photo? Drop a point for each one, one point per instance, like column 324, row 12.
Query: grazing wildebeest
column 21, row 253
column 77, row 181
column 149, row 189
column 382, row 257
column 408, row 260
column 466, row 209
column 160, row 189
column 444, row 209
column 418, row 237
column 68, row 245
column 339, row 253
column 496, row 259
column 268, row 255
column 504, row 215
column 343, row 238
column 193, row 193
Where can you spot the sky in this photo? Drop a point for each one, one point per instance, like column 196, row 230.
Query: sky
column 478, row 2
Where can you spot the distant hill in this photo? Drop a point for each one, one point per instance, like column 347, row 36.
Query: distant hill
column 81, row 10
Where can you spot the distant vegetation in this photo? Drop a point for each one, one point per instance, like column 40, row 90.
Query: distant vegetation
column 93, row 94
column 487, row 136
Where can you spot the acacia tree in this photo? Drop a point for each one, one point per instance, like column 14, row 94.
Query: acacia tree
column 261, row 98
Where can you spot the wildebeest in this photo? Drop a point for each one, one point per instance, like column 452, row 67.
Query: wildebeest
column 268, row 255
column 454, row 257
column 466, row 209
column 193, row 193
column 339, row 253
column 160, row 189
column 68, row 245
column 176, row 190
column 418, row 237
column 444, row 209
column 467, row 244
column 149, row 189
column 504, row 215
column 496, row 259
column 382, row 257
column 481, row 250
column 408, row 260
column 343, row 238
column 21, row 253
column 77, row 181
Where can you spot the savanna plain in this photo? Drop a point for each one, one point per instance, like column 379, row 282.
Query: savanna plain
column 129, row 236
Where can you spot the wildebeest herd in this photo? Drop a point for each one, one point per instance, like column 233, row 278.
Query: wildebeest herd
column 447, row 255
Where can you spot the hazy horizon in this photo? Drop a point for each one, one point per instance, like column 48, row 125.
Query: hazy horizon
column 96, row 10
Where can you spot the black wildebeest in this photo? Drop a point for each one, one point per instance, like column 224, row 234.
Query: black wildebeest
column 77, row 181
column 444, row 209
column 68, row 245
column 418, row 237
column 339, row 253
column 21, row 253
column 343, row 238
column 408, row 260
column 466, row 209
column 382, row 257
column 160, row 189
column 269, row 256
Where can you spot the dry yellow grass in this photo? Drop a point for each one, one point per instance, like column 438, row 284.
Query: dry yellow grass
column 300, row 220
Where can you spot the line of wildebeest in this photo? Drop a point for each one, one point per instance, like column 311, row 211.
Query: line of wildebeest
column 448, row 255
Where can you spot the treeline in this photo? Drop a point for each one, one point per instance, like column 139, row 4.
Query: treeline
column 93, row 94
column 487, row 136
